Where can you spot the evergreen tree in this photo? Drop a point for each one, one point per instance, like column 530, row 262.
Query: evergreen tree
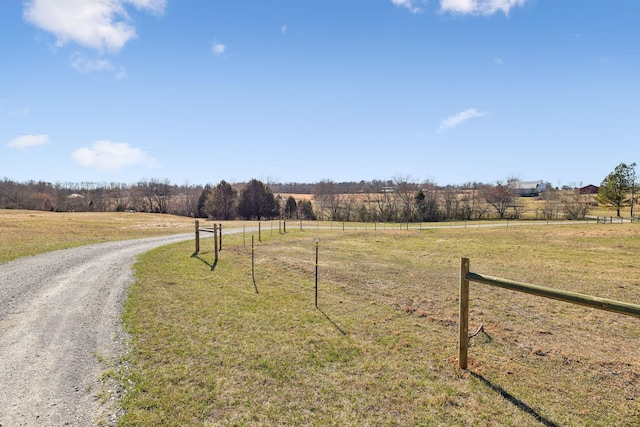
column 291, row 208
column 202, row 201
column 257, row 201
column 305, row 210
column 615, row 188
column 222, row 202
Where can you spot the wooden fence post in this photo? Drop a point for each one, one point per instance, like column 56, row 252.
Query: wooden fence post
column 197, row 236
column 463, row 341
column 215, row 239
column 220, row 234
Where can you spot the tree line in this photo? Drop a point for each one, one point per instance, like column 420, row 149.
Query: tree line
column 397, row 200
column 253, row 200
column 400, row 199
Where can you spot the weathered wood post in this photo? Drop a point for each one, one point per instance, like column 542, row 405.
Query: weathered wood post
column 197, row 236
column 463, row 340
column 220, row 234
column 215, row 239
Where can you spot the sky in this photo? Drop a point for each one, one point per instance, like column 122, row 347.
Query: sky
column 197, row 91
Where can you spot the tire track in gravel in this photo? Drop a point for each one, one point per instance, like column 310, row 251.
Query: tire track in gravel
column 59, row 316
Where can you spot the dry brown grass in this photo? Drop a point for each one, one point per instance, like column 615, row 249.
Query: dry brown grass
column 382, row 348
column 32, row 232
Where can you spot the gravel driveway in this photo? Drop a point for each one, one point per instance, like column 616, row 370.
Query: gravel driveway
column 59, row 325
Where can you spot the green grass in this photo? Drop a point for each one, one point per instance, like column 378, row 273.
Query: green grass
column 381, row 349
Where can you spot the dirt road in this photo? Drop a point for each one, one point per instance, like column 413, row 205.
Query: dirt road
column 59, row 325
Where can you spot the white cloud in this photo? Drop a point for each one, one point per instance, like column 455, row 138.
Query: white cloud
column 218, row 48
column 97, row 24
column 107, row 155
column 26, row 141
column 454, row 121
column 85, row 65
column 155, row 6
column 479, row 7
column 407, row 4
column 284, row 29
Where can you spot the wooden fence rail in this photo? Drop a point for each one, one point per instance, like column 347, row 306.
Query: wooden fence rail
column 217, row 237
column 575, row 298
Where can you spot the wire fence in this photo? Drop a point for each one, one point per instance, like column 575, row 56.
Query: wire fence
column 504, row 317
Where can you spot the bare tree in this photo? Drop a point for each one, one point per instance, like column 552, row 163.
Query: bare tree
column 426, row 202
column 451, row 202
column 370, row 192
column 329, row 199
column 146, row 191
column 551, row 204
column 406, row 190
column 576, row 205
column 185, row 202
column 471, row 203
column 500, row 196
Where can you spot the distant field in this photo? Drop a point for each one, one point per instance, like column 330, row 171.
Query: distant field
column 33, row 232
column 531, row 204
column 381, row 348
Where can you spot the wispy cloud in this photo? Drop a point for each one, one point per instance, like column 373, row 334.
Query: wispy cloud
column 83, row 64
column 284, row 29
column 459, row 118
column 408, row 4
column 218, row 48
column 107, row 155
column 27, row 141
column 98, row 24
column 479, row 7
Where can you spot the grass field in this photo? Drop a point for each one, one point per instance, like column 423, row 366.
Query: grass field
column 381, row 348
column 33, row 232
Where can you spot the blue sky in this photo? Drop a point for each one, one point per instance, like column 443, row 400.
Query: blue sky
column 196, row 91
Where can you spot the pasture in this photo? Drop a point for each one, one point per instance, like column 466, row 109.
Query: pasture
column 32, row 232
column 381, row 348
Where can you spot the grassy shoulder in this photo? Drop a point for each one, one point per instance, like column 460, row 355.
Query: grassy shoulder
column 33, row 232
column 381, row 348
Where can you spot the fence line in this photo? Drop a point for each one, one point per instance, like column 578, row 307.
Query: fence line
column 572, row 297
